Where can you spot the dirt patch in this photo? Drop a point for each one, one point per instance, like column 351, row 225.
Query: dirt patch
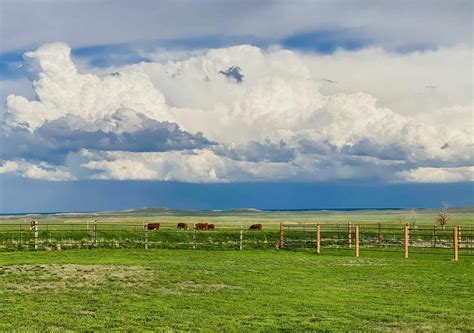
column 37, row 278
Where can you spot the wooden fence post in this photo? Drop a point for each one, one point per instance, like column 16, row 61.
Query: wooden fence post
column 94, row 234
column 318, row 238
column 456, row 243
column 282, row 237
column 357, row 240
column 407, row 239
column 241, row 237
column 194, row 236
column 349, row 234
column 35, row 228
column 434, row 236
column 145, row 229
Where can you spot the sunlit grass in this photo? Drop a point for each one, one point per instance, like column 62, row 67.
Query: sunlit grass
column 234, row 291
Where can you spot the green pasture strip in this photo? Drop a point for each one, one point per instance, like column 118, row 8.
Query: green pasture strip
column 233, row 291
column 52, row 236
column 464, row 216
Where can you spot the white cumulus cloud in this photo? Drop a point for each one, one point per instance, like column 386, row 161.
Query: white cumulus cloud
column 229, row 115
column 36, row 171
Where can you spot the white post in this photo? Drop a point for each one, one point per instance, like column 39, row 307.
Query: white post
column 241, row 237
column 146, row 236
column 36, row 235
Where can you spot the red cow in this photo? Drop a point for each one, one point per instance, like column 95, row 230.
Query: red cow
column 153, row 226
column 211, row 227
column 256, row 227
column 201, row 226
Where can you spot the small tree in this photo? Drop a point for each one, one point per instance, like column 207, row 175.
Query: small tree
column 443, row 216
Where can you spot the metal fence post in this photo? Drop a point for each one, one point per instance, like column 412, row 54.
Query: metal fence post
column 318, row 238
column 282, row 237
column 379, row 234
column 36, row 235
column 456, row 243
column 349, row 234
column 241, row 238
column 94, row 234
column 145, row 228
column 407, row 239
column 357, row 240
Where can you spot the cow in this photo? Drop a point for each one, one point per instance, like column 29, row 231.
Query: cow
column 182, row 226
column 255, row 227
column 201, row 226
column 211, row 227
column 153, row 226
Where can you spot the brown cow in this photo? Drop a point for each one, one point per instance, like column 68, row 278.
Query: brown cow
column 255, row 227
column 153, row 226
column 182, row 226
column 201, row 226
column 211, row 227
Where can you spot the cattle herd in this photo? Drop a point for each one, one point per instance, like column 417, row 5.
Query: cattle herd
column 197, row 226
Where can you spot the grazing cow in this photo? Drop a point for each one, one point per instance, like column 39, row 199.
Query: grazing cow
column 201, row 226
column 255, row 227
column 182, row 226
column 211, row 227
column 153, row 226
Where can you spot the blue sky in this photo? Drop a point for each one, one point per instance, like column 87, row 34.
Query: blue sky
column 341, row 104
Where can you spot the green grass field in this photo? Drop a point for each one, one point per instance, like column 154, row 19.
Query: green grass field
column 173, row 290
column 171, row 287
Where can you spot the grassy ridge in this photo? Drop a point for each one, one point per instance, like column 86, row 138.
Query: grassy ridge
column 233, row 291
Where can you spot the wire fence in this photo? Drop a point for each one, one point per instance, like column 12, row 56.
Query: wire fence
column 51, row 236
column 290, row 236
column 379, row 237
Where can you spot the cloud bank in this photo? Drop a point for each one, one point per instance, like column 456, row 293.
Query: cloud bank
column 240, row 114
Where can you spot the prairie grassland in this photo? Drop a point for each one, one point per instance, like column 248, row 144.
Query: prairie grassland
column 461, row 216
column 174, row 290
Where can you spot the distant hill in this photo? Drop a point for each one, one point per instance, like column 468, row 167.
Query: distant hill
column 163, row 211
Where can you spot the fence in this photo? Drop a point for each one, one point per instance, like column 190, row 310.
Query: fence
column 87, row 235
column 458, row 241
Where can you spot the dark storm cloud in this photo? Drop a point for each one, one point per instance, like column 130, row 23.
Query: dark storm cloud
column 366, row 147
column 55, row 139
column 258, row 152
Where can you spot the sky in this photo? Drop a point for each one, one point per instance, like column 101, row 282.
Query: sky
column 225, row 104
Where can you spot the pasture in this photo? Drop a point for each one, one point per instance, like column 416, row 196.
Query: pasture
column 173, row 290
column 211, row 286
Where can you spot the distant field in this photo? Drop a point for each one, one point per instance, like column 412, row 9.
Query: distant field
column 172, row 290
column 463, row 216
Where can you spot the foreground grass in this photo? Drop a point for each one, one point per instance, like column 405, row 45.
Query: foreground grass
column 233, row 291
